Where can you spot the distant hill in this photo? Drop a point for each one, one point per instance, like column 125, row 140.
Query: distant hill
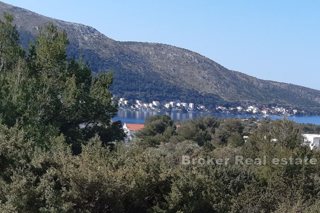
column 151, row 71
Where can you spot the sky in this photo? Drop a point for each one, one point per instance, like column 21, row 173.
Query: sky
column 269, row 39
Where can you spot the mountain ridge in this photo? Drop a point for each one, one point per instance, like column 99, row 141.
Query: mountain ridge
column 155, row 71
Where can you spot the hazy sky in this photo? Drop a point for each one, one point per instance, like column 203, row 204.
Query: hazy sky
column 270, row 39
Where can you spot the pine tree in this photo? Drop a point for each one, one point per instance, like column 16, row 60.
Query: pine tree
column 50, row 95
column 10, row 51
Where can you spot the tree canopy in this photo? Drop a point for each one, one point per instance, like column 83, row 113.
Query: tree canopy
column 56, row 128
column 49, row 94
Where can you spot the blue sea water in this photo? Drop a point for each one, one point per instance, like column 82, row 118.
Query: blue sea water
column 306, row 119
column 128, row 116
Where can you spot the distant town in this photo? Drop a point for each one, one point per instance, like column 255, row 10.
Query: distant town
column 167, row 106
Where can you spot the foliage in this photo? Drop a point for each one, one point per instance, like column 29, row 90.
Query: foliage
column 138, row 178
column 157, row 129
column 199, row 130
column 56, row 124
column 49, row 95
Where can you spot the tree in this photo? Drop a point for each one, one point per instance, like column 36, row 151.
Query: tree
column 55, row 123
column 228, row 128
column 200, row 130
column 157, row 129
column 50, row 95
column 10, row 50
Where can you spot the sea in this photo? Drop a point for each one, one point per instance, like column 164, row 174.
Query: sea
column 129, row 116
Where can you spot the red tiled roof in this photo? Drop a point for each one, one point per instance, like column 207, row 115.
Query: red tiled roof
column 135, row 127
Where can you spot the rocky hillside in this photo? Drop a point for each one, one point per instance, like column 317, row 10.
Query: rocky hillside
column 163, row 72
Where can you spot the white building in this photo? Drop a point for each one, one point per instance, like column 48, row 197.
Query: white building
column 252, row 109
column 202, row 107
column 130, row 130
column 184, row 104
column 239, row 108
column 191, row 106
column 156, row 103
column 312, row 140
column 222, row 108
column 167, row 105
column 145, row 105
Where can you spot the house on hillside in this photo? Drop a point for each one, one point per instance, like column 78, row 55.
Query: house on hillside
column 131, row 129
column 312, row 140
